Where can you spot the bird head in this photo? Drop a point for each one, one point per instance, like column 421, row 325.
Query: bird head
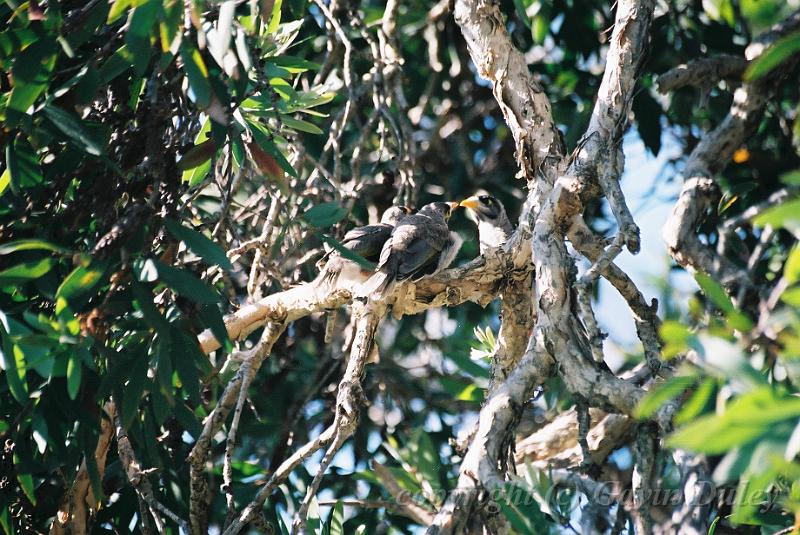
column 443, row 209
column 484, row 207
column 393, row 214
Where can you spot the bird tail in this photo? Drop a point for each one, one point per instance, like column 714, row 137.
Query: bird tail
column 326, row 279
column 375, row 286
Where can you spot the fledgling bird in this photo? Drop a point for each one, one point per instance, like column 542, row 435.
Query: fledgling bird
column 494, row 228
column 421, row 244
column 367, row 242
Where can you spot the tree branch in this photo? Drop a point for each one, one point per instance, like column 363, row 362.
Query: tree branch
column 702, row 72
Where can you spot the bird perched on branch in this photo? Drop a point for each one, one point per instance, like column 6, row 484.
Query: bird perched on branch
column 421, row 244
column 494, row 228
column 366, row 242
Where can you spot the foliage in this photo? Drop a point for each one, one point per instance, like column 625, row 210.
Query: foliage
column 166, row 161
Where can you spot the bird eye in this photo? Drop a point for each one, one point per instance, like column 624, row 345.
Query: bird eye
column 486, row 199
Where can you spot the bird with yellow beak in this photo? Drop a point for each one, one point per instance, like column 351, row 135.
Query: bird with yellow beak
column 494, row 228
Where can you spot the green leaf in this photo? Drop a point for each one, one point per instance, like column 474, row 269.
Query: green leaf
column 134, row 388
column 145, row 301
column 792, row 178
column 187, row 372
column 739, row 321
column 714, row 435
column 197, row 155
column 81, row 280
column 118, row 63
column 12, row 362
column 31, row 71
column 182, row 282
column 785, row 215
column 791, row 296
column 25, row 271
column 26, row 484
column 695, row 405
column 299, row 124
column 324, row 215
column 212, row 319
column 74, row 369
column 23, row 165
column 118, row 8
column 519, row 507
column 30, row 245
column 74, row 129
column 275, row 19
column 540, row 27
column 197, row 73
column 776, row 54
column 660, row 394
column 337, row 519
column 715, row 292
column 425, row 458
column 199, row 244
column 137, row 38
column 791, row 270
column 347, row 253
column 196, row 175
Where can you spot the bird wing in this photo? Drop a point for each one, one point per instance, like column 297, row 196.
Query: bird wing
column 416, row 243
column 367, row 241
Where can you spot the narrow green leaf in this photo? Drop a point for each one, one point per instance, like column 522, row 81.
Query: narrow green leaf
column 785, row 215
column 30, row 245
column 199, row 244
column 31, row 73
column 299, row 124
column 74, row 370
column 713, row 435
column 337, row 519
column 80, row 281
column 662, row 393
column 23, row 165
column 197, row 155
column 776, row 54
column 324, row 214
column 197, row 73
column 347, row 253
column 118, row 8
column 184, row 283
column 791, row 270
column 212, row 319
column 145, row 301
column 25, row 271
column 715, row 292
column 12, row 362
column 26, row 484
column 695, row 405
column 74, row 129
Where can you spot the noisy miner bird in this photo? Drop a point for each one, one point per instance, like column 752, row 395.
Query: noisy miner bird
column 420, row 245
column 367, row 242
column 494, row 228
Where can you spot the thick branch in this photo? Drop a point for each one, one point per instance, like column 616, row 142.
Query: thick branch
column 522, row 100
column 556, row 444
column 702, row 72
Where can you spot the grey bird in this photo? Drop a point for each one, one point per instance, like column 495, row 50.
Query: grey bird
column 494, row 228
column 367, row 242
column 420, row 245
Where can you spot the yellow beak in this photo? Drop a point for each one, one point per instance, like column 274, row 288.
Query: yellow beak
column 471, row 202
